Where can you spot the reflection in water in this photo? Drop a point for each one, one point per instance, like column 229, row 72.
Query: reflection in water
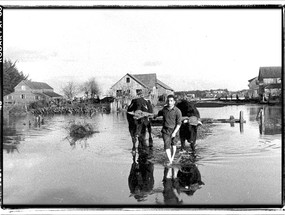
column 10, row 140
column 171, row 192
column 15, row 129
column 41, row 149
column 79, row 132
column 182, row 178
column 10, row 148
column 82, row 142
column 269, row 119
column 141, row 179
column 189, row 179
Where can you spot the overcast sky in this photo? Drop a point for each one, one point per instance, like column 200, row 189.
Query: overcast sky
column 188, row 49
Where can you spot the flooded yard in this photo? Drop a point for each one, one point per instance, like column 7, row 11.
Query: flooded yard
column 43, row 166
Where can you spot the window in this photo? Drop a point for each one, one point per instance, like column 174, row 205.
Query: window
column 128, row 80
column 9, row 97
column 119, row 93
column 23, row 88
column 268, row 81
column 138, row 91
column 36, row 97
column 22, row 96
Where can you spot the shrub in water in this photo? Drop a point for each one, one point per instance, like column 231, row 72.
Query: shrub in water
column 78, row 130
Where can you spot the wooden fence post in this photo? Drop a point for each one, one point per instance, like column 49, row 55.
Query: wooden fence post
column 241, row 121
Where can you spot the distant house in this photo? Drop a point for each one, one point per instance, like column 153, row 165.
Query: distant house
column 269, row 79
column 30, row 91
column 209, row 95
column 253, row 87
column 131, row 84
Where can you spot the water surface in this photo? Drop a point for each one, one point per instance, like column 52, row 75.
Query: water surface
column 41, row 165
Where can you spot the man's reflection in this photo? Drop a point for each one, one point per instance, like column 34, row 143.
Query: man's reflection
column 141, row 179
column 184, row 177
column 171, row 192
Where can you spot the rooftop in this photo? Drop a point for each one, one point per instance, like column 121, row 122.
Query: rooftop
column 269, row 72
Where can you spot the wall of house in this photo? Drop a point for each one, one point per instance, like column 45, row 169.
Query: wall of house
column 271, row 80
column 129, row 88
column 272, row 92
column 265, row 82
column 253, row 84
column 162, row 93
column 16, row 97
column 161, row 90
column 20, row 85
column 253, row 91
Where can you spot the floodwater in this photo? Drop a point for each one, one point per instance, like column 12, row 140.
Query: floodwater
column 238, row 166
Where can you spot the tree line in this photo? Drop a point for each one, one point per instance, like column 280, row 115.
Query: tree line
column 12, row 77
column 90, row 88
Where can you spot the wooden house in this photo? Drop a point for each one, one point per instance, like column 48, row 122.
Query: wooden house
column 253, row 86
column 269, row 79
column 29, row 91
column 131, row 84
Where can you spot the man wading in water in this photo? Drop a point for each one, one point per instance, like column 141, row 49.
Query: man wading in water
column 171, row 124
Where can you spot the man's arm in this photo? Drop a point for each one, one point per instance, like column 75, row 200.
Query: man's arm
column 178, row 123
column 177, row 127
column 158, row 114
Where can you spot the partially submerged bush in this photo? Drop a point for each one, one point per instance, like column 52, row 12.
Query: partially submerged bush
column 80, row 130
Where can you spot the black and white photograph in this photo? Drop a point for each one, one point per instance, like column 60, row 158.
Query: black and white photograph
column 142, row 107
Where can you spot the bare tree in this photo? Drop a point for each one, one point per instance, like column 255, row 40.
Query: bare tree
column 90, row 87
column 70, row 90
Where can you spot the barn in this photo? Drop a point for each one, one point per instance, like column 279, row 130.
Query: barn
column 131, row 84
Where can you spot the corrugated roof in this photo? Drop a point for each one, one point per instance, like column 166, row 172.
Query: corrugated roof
column 52, row 94
column 148, row 79
column 164, row 85
column 269, row 72
column 37, row 85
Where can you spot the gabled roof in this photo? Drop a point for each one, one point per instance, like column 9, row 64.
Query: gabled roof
column 148, row 79
column 250, row 80
column 137, row 80
column 164, row 85
column 37, row 85
column 52, row 94
column 132, row 78
column 269, row 72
